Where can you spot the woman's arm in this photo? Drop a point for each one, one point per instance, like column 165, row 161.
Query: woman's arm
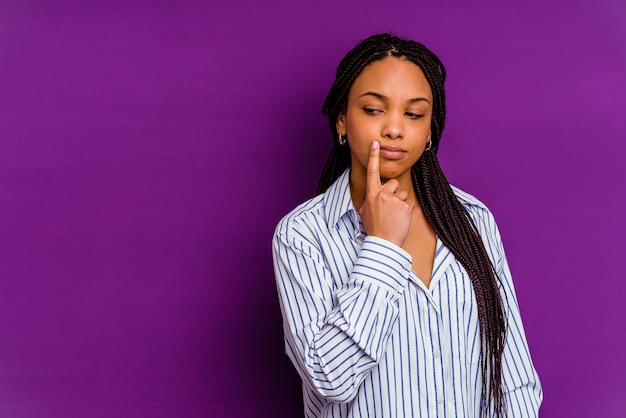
column 521, row 382
column 335, row 336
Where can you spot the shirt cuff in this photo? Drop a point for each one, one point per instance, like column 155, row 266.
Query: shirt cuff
column 383, row 263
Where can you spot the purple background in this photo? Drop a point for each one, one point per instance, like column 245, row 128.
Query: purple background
column 148, row 149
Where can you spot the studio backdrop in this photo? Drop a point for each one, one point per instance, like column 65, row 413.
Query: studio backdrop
column 149, row 148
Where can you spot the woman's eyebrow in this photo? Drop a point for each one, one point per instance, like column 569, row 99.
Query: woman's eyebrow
column 383, row 97
column 419, row 99
column 377, row 95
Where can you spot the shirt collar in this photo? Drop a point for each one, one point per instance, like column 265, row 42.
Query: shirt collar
column 338, row 202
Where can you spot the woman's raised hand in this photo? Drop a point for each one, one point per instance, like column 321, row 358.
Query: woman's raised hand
column 386, row 211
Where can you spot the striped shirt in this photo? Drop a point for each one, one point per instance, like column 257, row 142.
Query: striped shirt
column 369, row 339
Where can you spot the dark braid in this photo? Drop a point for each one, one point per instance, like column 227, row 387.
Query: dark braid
column 444, row 212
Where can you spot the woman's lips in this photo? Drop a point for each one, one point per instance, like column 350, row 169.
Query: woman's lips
column 392, row 153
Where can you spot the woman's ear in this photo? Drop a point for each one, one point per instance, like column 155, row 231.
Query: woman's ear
column 341, row 124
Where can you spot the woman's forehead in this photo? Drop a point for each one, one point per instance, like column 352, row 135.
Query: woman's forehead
column 392, row 75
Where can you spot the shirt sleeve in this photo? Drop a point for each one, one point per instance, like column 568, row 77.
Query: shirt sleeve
column 522, row 387
column 521, row 382
column 335, row 336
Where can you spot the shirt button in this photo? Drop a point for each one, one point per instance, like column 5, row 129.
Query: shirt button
column 398, row 288
column 437, row 353
column 440, row 399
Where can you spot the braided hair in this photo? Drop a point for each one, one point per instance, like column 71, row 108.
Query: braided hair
column 443, row 211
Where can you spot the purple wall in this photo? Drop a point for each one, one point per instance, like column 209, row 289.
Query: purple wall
column 148, row 149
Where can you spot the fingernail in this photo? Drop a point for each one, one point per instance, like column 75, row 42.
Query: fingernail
column 375, row 145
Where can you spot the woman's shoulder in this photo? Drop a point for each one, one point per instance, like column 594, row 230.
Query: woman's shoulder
column 317, row 213
column 302, row 214
column 470, row 202
column 478, row 211
column 466, row 198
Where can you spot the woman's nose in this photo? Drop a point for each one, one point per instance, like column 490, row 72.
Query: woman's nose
column 392, row 128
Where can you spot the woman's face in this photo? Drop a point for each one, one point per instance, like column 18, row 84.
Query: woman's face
column 390, row 102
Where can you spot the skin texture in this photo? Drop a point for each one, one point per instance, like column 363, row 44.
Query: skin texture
column 387, row 123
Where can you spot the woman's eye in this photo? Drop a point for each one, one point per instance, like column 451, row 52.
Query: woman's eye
column 413, row 115
column 371, row 111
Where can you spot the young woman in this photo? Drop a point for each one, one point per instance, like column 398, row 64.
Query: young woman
column 395, row 291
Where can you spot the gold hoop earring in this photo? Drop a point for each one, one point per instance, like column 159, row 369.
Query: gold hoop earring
column 342, row 140
column 429, row 145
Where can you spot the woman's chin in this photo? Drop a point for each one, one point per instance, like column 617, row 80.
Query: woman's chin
column 388, row 174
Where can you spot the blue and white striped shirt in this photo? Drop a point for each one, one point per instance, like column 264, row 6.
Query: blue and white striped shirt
column 369, row 339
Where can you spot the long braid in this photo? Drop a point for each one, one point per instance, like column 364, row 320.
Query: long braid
column 450, row 220
column 338, row 161
column 443, row 211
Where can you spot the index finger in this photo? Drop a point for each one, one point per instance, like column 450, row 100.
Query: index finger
column 373, row 175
